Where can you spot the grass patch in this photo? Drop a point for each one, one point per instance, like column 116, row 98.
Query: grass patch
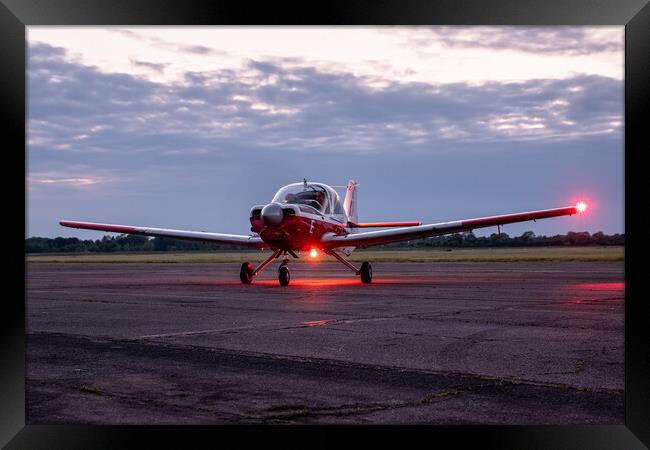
column 609, row 253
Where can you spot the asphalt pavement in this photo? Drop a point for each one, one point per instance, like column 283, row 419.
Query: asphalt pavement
column 445, row 343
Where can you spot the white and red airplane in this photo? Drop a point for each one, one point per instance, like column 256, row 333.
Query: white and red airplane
column 310, row 217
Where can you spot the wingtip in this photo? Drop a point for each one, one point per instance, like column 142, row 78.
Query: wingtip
column 581, row 207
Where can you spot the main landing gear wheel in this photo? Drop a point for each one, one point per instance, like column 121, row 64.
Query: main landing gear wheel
column 246, row 273
column 283, row 275
column 366, row 272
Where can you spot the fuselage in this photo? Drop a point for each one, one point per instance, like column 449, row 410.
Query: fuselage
column 298, row 216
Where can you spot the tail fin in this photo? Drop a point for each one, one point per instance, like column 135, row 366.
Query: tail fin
column 350, row 202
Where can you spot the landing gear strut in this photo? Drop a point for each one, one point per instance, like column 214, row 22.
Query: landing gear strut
column 365, row 271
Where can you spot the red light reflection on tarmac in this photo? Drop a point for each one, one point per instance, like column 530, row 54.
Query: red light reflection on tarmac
column 296, row 281
column 581, row 292
column 348, row 281
column 600, row 286
column 310, row 282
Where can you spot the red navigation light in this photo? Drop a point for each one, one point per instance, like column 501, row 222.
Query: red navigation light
column 581, row 207
column 313, row 253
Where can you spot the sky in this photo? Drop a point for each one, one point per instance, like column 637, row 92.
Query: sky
column 189, row 127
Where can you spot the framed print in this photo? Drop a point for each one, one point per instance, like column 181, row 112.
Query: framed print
column 432, row 207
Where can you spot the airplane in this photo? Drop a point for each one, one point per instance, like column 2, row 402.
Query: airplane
column 310, row 217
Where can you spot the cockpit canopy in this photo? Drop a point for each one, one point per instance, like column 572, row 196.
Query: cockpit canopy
column 321, row 197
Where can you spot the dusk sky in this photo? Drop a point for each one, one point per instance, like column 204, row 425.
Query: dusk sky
column 188, row 127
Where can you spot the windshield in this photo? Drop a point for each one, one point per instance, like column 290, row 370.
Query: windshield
column 304, row 194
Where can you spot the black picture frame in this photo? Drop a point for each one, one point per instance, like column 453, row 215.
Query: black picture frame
column 16, row 15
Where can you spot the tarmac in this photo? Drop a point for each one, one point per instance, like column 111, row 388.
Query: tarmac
column 425, row 343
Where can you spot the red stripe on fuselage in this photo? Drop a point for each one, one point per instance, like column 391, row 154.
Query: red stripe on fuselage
column 383, row 224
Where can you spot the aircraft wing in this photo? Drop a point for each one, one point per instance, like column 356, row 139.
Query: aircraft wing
column 330, row 240
column 216, row 238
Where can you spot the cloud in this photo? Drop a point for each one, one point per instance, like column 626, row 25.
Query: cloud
column 59, row 180
column 157, row 67
column 76, row 108
column 166, row 45
column 556, row 40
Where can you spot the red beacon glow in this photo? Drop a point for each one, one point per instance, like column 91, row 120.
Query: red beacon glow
column 313, row 253
column 581, row 207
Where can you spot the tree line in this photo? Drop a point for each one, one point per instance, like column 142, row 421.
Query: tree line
column 527, row 239
column 129, row 243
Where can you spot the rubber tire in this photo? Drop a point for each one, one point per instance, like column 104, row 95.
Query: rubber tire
column 246, row 273
column 284, row 275
column 366, row 272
